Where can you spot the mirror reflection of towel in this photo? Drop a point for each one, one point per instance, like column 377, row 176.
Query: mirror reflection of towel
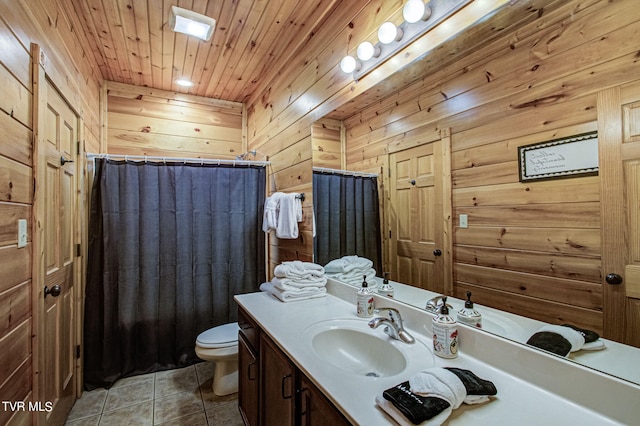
column 564, row 339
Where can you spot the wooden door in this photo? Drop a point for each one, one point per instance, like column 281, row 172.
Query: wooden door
column 56, row 195
column 619, row 159
column 418, row 232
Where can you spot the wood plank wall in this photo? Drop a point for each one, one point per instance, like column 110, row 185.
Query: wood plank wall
column 46, row 23
column 143, row 121
column 533, row 248
column 326, row 143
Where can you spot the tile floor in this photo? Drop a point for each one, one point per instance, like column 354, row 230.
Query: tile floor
column 174, row 397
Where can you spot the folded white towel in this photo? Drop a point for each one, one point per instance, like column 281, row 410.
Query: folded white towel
column 348, row 264
column 290, row 296
column 355, row 278
column 291, row 284
column 298, row 269
column 289, row 214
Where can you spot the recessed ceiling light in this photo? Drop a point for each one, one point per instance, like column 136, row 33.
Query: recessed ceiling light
column 184, row 82
column 191, row 23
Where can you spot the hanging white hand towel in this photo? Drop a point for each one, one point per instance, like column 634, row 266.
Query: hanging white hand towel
column 289, row 214
column 270, row 215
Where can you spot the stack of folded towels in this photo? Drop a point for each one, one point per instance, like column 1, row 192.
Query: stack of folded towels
column 352, row 270
column 297, row 280
column 429, row 397
column 564, row 339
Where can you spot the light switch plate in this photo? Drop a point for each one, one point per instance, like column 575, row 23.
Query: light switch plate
column 22, row 233
column 463, row 221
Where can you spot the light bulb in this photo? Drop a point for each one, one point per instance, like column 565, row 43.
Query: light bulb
column 414, row 11
column 348, row 64
column 366, row 51
column 389, row 33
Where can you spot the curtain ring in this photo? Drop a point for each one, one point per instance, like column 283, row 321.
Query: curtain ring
column 126, row 158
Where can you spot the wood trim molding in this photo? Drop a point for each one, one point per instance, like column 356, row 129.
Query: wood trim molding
column 612, row 210
column 447, row 210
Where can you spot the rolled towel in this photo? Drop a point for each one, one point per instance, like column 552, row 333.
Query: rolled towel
column 430, row 396
column 292, row 296
column 298, row 269
column 564, row 339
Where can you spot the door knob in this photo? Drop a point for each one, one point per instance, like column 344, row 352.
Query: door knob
column 437, row 252
column 613, row 279
column 64, row 161
column 53, row 291
column 412, row 181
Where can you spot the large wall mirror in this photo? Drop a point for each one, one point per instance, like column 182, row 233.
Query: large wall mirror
column 443, row 137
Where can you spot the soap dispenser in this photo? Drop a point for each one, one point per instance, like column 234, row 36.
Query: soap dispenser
column 364, row 300
column 468, row 315
column 445, row 333
column 386, row 289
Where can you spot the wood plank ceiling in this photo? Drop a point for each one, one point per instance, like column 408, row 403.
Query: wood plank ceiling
column 133, row 44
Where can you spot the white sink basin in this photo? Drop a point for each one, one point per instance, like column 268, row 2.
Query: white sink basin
column 352, row 346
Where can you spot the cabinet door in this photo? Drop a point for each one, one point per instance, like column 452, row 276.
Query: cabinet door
column 277, row 385
column 249, row 389
column 316, row 409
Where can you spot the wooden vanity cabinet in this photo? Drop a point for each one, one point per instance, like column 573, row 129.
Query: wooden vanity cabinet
column 315, row 408
column 272, row 391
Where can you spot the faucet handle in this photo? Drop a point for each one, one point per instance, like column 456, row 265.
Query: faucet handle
column 394, row 314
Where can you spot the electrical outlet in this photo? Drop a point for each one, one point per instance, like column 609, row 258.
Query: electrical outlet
column 463, row 219
column 22, row 233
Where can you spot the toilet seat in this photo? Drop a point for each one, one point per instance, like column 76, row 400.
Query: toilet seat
column 222, row 336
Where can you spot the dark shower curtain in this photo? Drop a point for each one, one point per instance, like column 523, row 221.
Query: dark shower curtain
column 347, row 217
column 169, row 246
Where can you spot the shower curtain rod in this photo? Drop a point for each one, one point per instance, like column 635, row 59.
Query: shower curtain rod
column 178, row 159
column 344, row 172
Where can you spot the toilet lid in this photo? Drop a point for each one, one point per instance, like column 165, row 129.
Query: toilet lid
column 219, row 337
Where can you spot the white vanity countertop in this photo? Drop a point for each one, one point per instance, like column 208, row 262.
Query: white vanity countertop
column 523, row 395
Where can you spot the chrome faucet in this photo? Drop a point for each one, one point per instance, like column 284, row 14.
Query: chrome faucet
column 435, row 303
column 393, row 324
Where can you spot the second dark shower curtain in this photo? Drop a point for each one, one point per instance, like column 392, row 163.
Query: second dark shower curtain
column 347, row 217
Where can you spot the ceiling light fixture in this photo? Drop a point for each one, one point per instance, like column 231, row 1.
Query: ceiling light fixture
column 191, row 23
column 419, row 17
column 184, row 82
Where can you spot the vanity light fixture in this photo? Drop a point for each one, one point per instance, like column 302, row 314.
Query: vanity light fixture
column 388, row 33
column 191, row 23
column 366, row 50
column 348, row 64
column 419, row 17
column 416, row 10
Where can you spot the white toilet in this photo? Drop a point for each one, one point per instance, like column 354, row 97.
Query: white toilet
column 220, row 345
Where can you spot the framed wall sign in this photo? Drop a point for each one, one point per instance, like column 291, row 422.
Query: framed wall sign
column 559, row 158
